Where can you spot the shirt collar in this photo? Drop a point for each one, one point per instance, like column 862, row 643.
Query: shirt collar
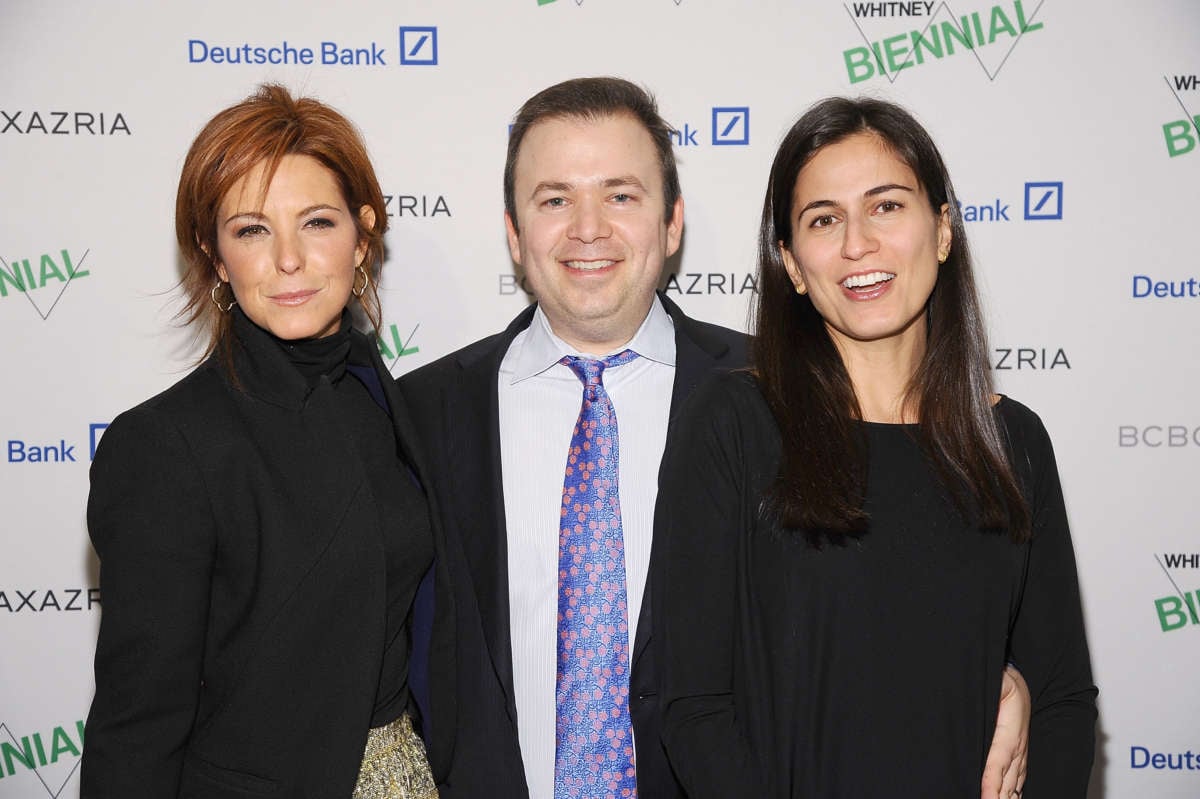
column 541, row 349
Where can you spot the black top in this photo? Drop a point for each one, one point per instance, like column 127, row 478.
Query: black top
column 250, row 525
column 781, row 661
column 407, row 541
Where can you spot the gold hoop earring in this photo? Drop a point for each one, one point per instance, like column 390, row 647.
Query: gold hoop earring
column 213, row 296
column 356, row 289
column 942, row 256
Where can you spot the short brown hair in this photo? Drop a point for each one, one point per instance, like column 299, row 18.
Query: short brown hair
column 590, row 99
column 263, row 128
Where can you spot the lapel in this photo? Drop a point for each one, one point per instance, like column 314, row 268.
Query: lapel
column 477, row 496
column 697, row 352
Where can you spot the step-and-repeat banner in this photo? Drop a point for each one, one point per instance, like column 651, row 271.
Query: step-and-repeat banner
column 1071, row 127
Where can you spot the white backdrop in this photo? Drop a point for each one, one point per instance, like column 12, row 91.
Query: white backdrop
column 1070, row 127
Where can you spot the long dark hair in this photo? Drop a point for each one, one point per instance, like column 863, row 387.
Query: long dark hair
column 821, row 483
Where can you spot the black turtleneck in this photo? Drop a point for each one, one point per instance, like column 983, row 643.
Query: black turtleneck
column 314, row 357
column 403, row 515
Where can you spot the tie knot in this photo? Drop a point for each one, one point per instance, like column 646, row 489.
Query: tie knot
column 591, row 370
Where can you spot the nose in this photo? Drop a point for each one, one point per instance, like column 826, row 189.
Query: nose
column 588, row 221
column 289, row 253
column 858, row 239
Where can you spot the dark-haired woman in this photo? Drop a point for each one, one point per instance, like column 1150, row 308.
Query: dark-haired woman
column 860, row 511
column 261, row 526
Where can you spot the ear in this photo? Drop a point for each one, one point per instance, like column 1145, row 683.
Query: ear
column 216, row 262
column 675, row 227
column 793, row 269
column 366, row 216
column 514, row 239
column 945, row 233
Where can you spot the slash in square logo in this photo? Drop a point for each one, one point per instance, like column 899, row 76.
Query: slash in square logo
column 1044, row 200
column 95, row 433
column 419, row 46
column 731, row 125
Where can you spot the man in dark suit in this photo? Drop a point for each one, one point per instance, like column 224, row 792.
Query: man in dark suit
column 592, row 211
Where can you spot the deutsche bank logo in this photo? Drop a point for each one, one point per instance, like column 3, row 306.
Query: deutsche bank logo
column 1044, row 200
column 731, row 125
column 419, row 46
column 95, row 433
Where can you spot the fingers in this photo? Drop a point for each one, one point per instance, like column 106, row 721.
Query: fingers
column 1014, row 779
column 994, row 772
column 1004, row 770
column 1004, row 775
column 1003, row 780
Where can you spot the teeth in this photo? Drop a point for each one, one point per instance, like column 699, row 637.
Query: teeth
column 588, row 266
column 869, row 279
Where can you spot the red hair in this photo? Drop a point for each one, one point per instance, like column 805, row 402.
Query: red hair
column 263, row 128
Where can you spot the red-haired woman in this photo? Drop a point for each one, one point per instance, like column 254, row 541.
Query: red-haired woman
column 261, row 525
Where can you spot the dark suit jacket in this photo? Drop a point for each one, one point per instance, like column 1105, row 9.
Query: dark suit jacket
column 454, row 402
column 243, row 580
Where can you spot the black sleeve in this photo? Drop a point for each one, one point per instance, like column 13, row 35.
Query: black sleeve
column 695, row 563
column 151, row 525
column 1048, row 640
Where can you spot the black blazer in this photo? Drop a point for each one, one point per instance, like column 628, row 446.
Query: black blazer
column 243, row 581
column 454, row 402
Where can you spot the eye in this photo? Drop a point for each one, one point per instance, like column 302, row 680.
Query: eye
column 250, row 230
column 319, row 222
column 824, row 220
column 555, row 202
column 888, row 206
column 622, row 197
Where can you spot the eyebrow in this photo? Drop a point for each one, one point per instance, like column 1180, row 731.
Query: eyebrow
column 868, row 193
column 303, row 212
column 624, row 180
column 549, row 185
column 608, row 183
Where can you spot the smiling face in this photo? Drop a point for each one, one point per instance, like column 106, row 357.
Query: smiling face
column 291, row 261
column 592, row 238
column 865, row 243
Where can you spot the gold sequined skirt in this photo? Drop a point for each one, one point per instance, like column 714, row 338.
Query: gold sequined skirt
column 394, row 764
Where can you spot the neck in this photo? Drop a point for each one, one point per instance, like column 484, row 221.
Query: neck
column 314, row 357
column 595, row 349
column 598, row 337
column 881, row 373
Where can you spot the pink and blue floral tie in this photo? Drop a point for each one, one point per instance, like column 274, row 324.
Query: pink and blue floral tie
column 594, row 737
